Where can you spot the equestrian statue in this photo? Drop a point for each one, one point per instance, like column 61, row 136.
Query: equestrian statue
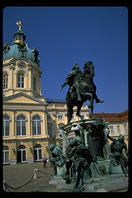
column 81, row 89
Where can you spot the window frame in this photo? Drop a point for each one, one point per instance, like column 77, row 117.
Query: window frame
column 111, row 130
column 37, row 123
column 125, row 128
column 5, row 80
column 5, row 126
column 20, row 79
column 21, row 126
column 5, row 150
column 58, row 116
column 38, row 150
column 22, row 150
column 118, row 129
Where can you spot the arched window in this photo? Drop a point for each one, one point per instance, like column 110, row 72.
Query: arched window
column 21, row 154
column 5, row 81
column 6, row 125
column 21, row 125
column 36, row 125
column 5, row 155
column 37, row 152
column 20, row 79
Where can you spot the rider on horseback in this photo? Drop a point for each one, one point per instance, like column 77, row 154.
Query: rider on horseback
column 73, row 81
column 81, row 89
column 89, row 73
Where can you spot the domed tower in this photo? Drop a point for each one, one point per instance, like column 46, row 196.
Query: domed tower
column 21, row 69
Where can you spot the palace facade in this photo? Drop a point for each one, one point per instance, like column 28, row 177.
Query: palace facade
column 30, row 121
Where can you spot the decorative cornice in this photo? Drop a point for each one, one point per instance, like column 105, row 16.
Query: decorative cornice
column 14, row 60
column 6, row 98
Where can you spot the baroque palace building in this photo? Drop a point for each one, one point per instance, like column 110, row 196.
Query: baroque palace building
column 31, row 122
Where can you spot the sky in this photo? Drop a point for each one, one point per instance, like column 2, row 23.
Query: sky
column 68, row 35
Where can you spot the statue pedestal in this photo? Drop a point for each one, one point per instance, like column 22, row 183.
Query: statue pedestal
column 90, row 136
column 115, row 169
column 100, row 168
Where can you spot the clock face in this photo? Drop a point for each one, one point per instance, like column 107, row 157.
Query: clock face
column 21, row 64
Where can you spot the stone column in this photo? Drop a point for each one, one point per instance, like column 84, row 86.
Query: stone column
column 13, row 123
column 29, row 123
column 30, row 78
column 45, row 127
column 12, row 84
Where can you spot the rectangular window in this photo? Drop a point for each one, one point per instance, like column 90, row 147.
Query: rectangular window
column 39, row 128
column 125, row 129
column 18, row 128
column 5, row 128
column 111, row 130
column 36, row 127
column 20, row 82
column 23, row 128
column 118, row 129
column 5, row 157
column 60, row 117
column 5, row 81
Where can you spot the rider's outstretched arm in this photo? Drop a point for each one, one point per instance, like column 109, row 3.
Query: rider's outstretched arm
column 64, row 84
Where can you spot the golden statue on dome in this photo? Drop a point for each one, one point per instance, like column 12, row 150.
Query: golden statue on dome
column 19, row 23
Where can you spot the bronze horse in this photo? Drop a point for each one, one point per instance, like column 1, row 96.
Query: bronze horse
column 81, row 89
column 87, row 91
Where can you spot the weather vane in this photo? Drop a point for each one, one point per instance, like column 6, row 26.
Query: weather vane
column 19, row 23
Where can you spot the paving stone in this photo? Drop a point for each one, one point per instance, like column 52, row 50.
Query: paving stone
column 19, row 174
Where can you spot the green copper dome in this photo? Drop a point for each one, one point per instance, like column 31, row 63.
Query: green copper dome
column 19, row 48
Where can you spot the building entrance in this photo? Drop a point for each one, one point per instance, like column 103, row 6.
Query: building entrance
column 21, row 154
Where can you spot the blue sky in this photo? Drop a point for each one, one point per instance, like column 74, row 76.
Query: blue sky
column 68, row 35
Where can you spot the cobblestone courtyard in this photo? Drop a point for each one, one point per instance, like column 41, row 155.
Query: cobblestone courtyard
column 20, row 174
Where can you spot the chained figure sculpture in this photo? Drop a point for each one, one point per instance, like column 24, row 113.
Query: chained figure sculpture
column 78, row 158
column 57, row 157
column 117, row 147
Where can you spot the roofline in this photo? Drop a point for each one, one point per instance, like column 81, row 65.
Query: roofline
column 50, row 100
column 113, row 117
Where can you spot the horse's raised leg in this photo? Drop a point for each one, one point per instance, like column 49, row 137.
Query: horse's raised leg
column 91, row 105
